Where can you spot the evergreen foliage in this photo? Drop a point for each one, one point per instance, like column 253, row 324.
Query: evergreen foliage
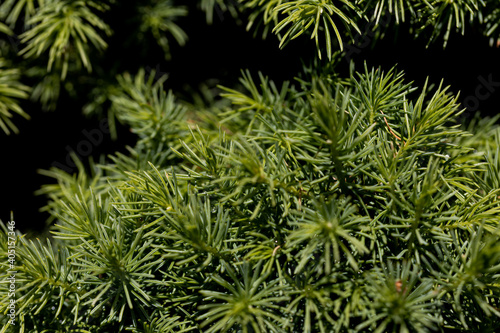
column 11, row 90
column 434, row 19
column 316, row 207
column 67, row 33
column 325, row 204
column 64, row 29
column 159, row 19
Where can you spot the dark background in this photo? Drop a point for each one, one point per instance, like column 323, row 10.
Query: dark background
column 215, row 53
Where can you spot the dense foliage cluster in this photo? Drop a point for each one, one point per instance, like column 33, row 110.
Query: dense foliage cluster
column 57, row 38
column 326, row 204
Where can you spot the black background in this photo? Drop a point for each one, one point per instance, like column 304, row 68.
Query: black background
column 216, row 53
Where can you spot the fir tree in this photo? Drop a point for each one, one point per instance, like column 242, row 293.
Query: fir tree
column 331, row 203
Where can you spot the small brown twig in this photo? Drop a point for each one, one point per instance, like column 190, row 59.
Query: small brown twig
column 389, row 127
